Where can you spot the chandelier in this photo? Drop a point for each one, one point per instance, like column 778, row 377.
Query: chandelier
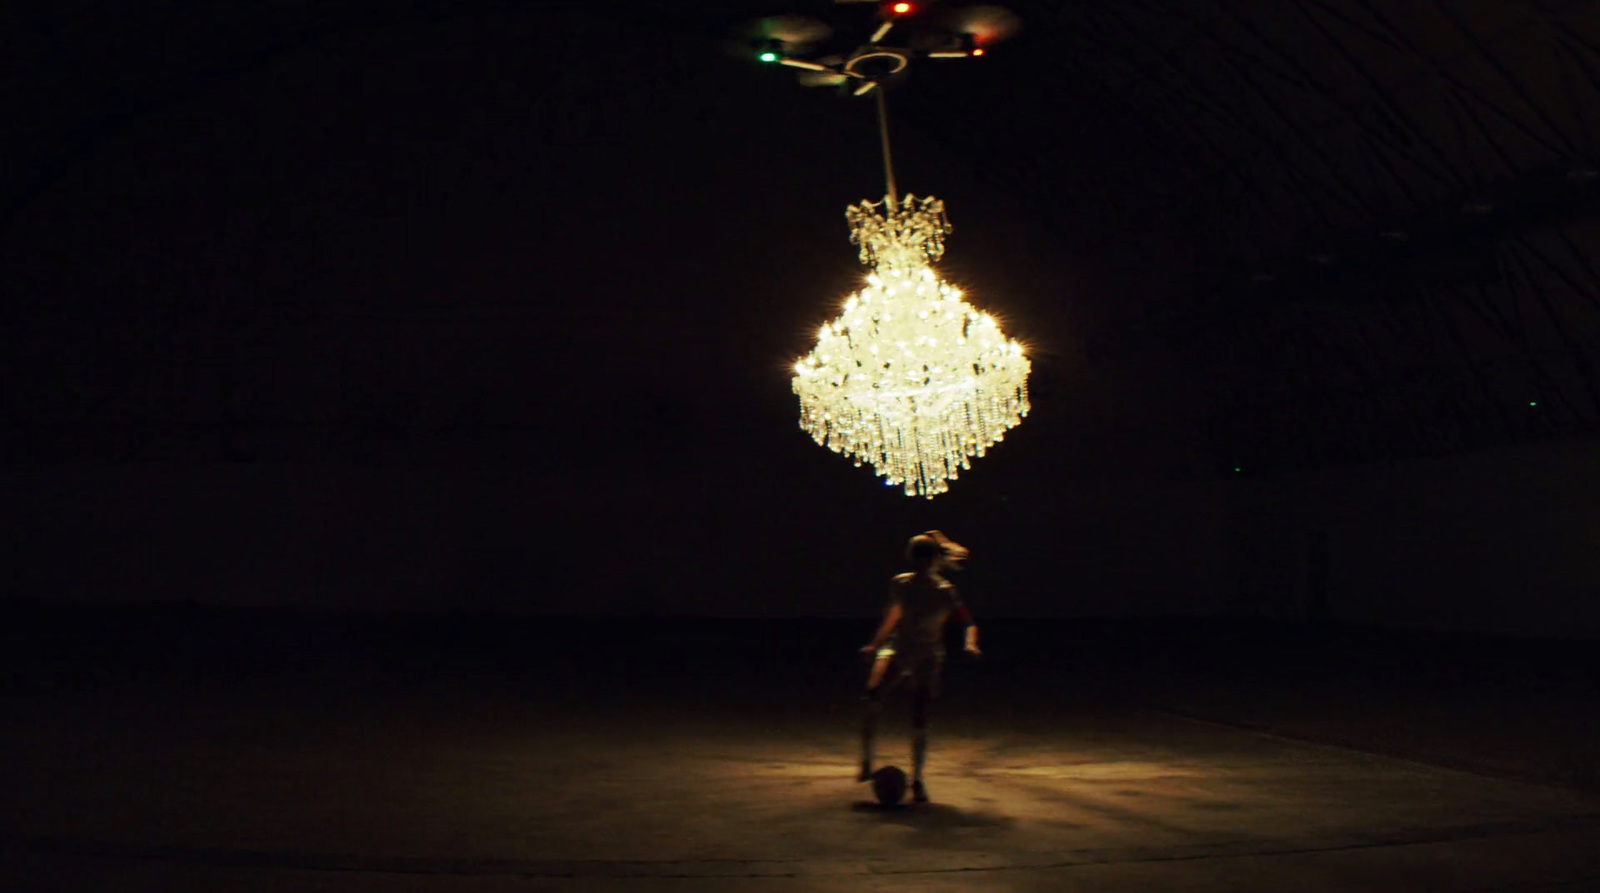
column 910, row 378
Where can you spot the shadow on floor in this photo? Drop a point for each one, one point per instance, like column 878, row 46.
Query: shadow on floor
column 934, row 816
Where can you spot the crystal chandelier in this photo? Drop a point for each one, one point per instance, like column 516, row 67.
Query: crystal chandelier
column 910, row 378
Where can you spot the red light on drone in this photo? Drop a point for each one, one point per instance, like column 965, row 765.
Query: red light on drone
column 900, row 9
column 977, row 51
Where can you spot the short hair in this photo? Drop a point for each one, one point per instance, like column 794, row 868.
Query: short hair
column 923, row 550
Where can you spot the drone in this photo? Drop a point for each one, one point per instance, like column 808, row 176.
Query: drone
column 904, row 31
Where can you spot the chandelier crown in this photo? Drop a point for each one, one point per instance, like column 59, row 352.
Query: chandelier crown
column 899, row 235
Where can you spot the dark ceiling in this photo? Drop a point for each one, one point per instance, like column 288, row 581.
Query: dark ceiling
column 1358, row 229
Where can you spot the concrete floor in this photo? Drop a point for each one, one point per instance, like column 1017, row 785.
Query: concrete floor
column 184, row 782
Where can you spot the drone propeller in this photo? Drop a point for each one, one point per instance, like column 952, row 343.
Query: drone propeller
column 986, row 24
column 785, row 34
column 822, row 78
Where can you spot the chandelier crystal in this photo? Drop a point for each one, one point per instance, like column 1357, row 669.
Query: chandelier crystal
column 910, row 378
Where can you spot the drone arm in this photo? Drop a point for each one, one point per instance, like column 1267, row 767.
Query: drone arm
column 800, row 63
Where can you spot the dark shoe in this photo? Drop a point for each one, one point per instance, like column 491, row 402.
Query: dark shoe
column 919, row 794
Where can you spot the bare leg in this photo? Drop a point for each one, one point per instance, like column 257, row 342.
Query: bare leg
column 877, row 690
column 919, row 739
column 880, row 669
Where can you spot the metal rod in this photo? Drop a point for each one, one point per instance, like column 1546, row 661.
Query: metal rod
column 888, row 163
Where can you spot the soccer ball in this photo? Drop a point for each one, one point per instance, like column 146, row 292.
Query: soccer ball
column 889, row 785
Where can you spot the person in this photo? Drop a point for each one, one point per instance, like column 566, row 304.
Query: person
column 909, row 644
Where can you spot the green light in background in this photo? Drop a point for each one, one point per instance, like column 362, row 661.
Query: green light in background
column 1533, row 403
column 1238, row 468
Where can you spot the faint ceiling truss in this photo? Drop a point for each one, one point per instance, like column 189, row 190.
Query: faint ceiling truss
column 1391, row 204
column 1397, row 203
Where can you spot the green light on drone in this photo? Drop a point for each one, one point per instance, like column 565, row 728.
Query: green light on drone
column 768, row 56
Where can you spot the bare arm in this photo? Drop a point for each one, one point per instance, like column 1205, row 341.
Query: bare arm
column 891, row 619
column 964, row 616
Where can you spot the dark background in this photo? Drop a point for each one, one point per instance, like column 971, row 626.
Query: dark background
column 490, row 307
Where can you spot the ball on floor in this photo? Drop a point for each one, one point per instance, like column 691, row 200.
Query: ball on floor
column 889, row 785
